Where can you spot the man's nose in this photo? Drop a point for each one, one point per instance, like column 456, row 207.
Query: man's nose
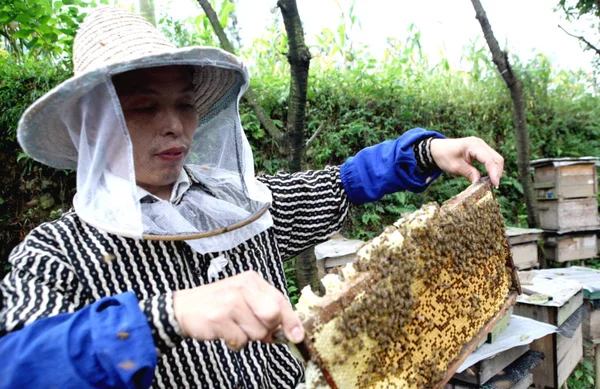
column 172, row 123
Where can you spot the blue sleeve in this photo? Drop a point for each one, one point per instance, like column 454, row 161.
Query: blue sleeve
column 386, row 168
column 107, row 344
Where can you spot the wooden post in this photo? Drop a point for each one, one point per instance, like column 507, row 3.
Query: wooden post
column 597, row 356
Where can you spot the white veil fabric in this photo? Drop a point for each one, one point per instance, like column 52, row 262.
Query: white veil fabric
column 224, row 191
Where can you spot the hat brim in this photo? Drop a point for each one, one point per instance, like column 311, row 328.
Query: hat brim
column 42, row 133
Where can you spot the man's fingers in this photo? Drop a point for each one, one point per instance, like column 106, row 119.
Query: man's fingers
column 264, row 307
column 234, row 337
column 275, row 312
column 471, row 173
column 493, row 162
column 292, row 326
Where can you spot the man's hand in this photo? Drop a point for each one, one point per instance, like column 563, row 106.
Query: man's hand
column 456, row 156
column 238, row 309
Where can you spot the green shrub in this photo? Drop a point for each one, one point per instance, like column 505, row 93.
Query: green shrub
column 30, row 193
column 359, row 103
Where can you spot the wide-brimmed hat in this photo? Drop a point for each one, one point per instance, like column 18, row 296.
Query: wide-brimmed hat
column 112, row 41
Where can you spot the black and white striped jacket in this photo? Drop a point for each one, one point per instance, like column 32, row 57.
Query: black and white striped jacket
column 67, row 264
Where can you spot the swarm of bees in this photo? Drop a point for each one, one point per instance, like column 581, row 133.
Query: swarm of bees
column 416, row 295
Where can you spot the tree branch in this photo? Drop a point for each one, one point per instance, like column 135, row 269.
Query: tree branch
column 314, row 136
column 249, row 96
column 515, row 86
column 581, row 38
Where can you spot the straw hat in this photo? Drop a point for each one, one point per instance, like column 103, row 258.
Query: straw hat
column 112, row 41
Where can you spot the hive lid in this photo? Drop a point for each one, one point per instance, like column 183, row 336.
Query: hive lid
column 564, row 161
column 337, row 247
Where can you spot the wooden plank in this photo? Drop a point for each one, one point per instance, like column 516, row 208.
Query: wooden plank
column 549, row 314
column 525, row 382
column 570, row 247
column 569, row 352
column 569, row 308
column 565, row 182
column 500, row 327
column 525, row 256
column 518, row 235
column 591, row 323
column 338, row 261
column 561, row 357
column 482, row 371
column 517, row 375
column 568, row 214
column 544, row 375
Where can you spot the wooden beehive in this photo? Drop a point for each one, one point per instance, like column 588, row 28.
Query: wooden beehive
column 565, row 215
column 523, row 246
column 483, row 371
column 562, row 354
column 571, row 246
column 566, row 190
column 336, row 252
column 517, row 375
column 565, row 178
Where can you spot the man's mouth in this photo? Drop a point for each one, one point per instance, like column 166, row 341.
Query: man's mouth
column 173, row 154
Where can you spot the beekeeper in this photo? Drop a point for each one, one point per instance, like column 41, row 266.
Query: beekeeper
column 168, row 271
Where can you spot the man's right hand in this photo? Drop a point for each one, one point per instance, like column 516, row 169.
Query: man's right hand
column 238, row 309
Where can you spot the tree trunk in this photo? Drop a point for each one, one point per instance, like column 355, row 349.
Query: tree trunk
column 299, row 58
column 249, row 96
column 147, row 10
column 515, row 86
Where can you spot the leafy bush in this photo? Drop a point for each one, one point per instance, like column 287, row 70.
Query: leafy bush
column 583, row 376
column 360, row 101
column 30, row 193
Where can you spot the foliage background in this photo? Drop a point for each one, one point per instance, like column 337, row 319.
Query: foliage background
column 358, row 100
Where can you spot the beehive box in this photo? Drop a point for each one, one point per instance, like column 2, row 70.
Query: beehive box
column 524, row 246
column 565, row 178
column 562, row 354
column 337, row 251
column 517, row 375
column 483, row 371
column 571, row 246
column 565, row 215
column 550, row 314
column 419, row 299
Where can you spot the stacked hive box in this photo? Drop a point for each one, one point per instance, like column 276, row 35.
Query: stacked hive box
column 566, row 190
column 524, row 246
column 562, row 351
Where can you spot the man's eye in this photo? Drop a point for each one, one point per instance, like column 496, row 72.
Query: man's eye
column 145, row 109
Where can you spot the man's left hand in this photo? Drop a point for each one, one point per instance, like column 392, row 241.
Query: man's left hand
column 456, row 156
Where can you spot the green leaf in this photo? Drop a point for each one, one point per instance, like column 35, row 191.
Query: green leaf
column 22, row 34
column 23, row 18
column 590, row 379
column 1, row 201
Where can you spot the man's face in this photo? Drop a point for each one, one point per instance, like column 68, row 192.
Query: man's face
column 158, row 105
